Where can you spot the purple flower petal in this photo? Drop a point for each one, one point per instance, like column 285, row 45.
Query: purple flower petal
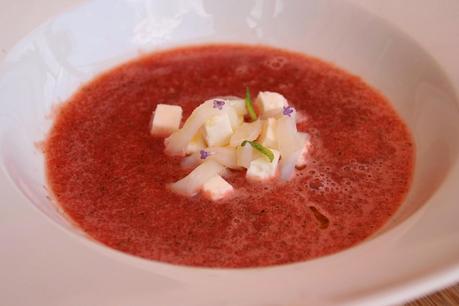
column 204, row 154
column 219, row 104
column 288, row 110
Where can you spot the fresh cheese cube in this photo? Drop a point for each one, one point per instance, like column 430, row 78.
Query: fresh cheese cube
column 216, row 188
column 218, row 130
column 262, row 169
column 196, row 144
column 166, row 119
column 271, row 104
column 268, row 133
column 302, row 159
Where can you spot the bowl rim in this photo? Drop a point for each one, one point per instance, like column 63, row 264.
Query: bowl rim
column 426, row 282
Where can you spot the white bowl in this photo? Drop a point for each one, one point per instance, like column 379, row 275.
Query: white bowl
column 417, row 251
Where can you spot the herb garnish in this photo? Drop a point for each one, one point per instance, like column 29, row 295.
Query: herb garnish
column 249, row 105
column 260, row 148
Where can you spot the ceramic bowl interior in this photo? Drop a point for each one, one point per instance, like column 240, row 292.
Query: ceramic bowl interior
column 48, row 65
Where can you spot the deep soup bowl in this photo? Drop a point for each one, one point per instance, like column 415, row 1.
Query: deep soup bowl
column 416, row 251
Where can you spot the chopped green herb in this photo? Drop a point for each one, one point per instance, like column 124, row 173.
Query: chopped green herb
column 260, row 148
column 249, row 105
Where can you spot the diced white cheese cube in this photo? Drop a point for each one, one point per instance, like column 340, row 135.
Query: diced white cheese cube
column 218, row 130
column 262, row 169
column 271, row 104
column 196, row 144
column 268, row 133
column 216, row 188
column 166, row 119
column 302, row 159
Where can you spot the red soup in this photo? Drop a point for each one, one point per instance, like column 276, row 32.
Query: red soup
column 110, row 175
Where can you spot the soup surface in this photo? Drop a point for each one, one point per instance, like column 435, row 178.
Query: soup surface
column 110, row 175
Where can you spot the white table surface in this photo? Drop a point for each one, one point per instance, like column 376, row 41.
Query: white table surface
column 52, row 269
